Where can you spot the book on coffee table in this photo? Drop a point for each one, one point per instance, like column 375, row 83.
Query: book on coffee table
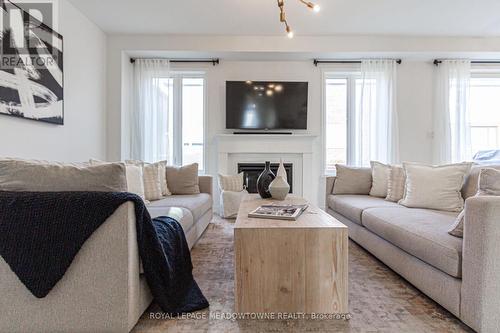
column 278, row 212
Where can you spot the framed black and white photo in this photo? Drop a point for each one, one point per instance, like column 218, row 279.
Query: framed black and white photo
column 31, row 65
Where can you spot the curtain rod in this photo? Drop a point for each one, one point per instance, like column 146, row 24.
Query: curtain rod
column 214, row 62
column 437, row 62
column 317, row 61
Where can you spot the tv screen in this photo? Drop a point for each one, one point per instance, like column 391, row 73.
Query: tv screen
column 260, row 105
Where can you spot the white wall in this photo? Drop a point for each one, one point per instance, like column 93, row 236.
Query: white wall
column 276, row 58
column 83, row 134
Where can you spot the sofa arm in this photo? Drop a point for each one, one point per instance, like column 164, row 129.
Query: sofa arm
column 481, row 264
column 330, row 181
column 206, row 184
column 99, row 292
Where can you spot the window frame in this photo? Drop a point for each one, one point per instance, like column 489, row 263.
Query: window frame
column 351, row 74
column 479, row 71
column 177, row 117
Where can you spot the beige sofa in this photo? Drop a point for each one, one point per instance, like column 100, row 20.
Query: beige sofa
column 103, row 289
column 463, row 275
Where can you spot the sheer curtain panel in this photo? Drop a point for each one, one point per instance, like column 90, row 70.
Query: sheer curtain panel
column 376, row 134
column 452, row 137
column 149, row 118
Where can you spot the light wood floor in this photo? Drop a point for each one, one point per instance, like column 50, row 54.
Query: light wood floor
column 379, row 300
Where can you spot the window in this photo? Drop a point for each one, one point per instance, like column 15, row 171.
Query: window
column 186, row 130
column 336, row 105
column 192, row 126
column 342, row 100
column 485, row 112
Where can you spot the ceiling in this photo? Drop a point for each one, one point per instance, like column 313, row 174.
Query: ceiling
column 261, row 17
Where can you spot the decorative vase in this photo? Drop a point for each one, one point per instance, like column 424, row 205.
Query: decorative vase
column 264, row 180
column 279, row 188
column 281, row 170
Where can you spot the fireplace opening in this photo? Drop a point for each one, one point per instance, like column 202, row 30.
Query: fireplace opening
column 252, row 171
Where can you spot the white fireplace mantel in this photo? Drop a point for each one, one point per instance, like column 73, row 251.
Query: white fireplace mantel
column 266, row 145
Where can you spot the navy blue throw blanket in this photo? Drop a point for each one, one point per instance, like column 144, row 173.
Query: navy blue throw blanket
column 41, row 233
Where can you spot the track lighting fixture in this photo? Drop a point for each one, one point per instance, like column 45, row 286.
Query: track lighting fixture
column 281, row 4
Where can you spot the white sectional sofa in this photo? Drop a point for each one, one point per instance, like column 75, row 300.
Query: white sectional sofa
column 463, row 275
column 103, row 289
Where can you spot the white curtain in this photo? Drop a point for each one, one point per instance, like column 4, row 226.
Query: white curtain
column 451, row 123
column 149, row 118
column 376, row 136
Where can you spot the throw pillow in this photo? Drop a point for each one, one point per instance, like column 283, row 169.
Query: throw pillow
column 33, row 176
column 162, row 173
column 152, row 183
column 134, row 177
column 183, row 180
column 396, row 184
column 135, row 182
column 380, row 179
column 351, row 180
column 231, row 183
column 489, row 184
column 471, row 185
column 457, row 229
column 435, row 187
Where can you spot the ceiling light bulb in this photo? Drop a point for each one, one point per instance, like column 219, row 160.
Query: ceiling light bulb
column 289, row 32
column 311, row 5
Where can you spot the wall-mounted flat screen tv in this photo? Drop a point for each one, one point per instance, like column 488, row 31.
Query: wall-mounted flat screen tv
column 266, row 105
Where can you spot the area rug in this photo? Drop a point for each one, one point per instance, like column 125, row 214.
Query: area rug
column 379, row 299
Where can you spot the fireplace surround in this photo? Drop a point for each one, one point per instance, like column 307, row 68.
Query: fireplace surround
column 296, row 149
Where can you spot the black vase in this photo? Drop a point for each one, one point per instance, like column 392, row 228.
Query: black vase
column 264, row 180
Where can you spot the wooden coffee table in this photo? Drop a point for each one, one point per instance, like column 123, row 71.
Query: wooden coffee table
column 290, row 266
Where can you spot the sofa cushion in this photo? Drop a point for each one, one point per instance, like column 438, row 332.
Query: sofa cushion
column 158, row 169
column 42, row 176
column 471, row 185
column 198, row 204
column 133, row 174
column 489, row 185
column 352, row 206
column 435, row 187
column 380, row 179
column 396, row 184
column 420, row 232
column 352, row 180
column 233, row 183
column 181, row 215
column 184, row 179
